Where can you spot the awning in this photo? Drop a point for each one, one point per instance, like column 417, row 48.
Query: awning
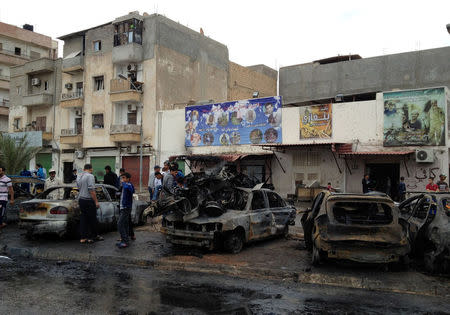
column 217, row 157
column 74, row 54
column 365, row 153
column 293, row 145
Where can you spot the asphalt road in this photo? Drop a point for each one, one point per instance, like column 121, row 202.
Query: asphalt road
column 39, row 287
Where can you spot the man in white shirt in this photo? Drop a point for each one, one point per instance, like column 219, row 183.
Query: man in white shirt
column 151, row 181
column 52, row 181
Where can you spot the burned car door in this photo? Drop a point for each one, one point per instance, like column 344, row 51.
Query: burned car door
column 261, row 218
column 281, row 212
column 308, row 219
column 106, row 213
column 415, row 211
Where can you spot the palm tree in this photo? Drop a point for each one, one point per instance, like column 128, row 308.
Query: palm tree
column 15, row 153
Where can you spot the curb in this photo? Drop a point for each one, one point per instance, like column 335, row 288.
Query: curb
column 164, row 264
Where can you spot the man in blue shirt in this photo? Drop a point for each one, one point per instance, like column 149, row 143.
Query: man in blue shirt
column 126, row 203
column 25, row 173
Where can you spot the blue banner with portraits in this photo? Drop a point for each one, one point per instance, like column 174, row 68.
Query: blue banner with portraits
column 253, row 121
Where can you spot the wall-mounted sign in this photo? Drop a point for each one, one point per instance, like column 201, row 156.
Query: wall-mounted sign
column 250, row 121
column 415, row 117
column 34, row 138
column 315, row 122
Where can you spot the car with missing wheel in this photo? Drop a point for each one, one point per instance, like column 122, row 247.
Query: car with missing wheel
column 253, row 214
column 56, row 211
column 428, row 216
column 355, row 227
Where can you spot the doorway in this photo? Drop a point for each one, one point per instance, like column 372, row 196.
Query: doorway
column 385, row 177
column 68, row 168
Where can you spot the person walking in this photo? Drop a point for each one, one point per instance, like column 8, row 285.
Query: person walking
column 126, row 204
column 52, row 181
column 431, row 185
column 402, row 189
column 151, row 181
column 6, row 188
column 88, row 205
column 442, row 185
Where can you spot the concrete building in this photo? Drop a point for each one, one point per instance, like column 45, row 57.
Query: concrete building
column 18, row 46
column 114, row 81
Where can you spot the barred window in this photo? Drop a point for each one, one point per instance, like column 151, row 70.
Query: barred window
column 97, row 121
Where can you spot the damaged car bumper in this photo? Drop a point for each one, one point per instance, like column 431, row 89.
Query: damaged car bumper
column 189, row 238
column 44, row 227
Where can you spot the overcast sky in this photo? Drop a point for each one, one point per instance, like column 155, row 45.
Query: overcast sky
column 275, row 33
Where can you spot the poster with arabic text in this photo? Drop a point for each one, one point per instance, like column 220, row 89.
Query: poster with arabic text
column 315, row 122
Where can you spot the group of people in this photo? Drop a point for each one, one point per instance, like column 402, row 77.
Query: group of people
column 441, row 184
column 88, row 202
column 165, row 180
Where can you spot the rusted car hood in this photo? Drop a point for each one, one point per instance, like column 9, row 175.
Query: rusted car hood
column 229, row 215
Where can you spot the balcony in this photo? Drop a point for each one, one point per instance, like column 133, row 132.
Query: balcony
column 72, row 100
column 72, row 65
column 4, row 107
column 42, row 65
column 11, row 58
column 125, row 133
column 123, row 91
column 4, row 82
column 128, row 53
column 40, row 99
column 71, row 136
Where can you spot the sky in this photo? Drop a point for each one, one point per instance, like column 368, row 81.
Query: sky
column 276, row 33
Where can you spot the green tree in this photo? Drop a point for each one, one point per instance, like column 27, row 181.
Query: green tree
column 15, row 153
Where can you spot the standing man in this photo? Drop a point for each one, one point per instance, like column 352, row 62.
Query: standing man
column 40, row 174
column 73, row 178
column 151, row 181
column 402, row 190
column 442, row 185
column 126, row 204
column 52, row 181
column 110, row 177
column 366, row 184
column 5, row 189
column 25, row 173
column 169, row 183
column 165, row 170
column 88, row 205
column 158, row 185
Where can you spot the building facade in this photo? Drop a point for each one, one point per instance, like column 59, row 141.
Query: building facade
column 18, row 46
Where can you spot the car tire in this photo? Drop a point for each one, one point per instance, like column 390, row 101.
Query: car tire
column 234, row 242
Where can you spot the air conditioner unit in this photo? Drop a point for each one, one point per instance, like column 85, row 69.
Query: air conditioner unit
column 132, row 107
column 35, row 82
column 133, row 148
column 68, row 86
column 79, row 154
column 424, row 156
column 132, row 67
column 78, row 112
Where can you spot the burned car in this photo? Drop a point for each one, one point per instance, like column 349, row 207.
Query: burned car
column 355, row 227
column 56, row 211
column 213, row 211
column 428, row 216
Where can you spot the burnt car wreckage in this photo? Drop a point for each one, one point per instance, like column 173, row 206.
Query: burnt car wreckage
column 356, row 227
column 222, row 209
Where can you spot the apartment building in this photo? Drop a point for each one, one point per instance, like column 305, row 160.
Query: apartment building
column 117, row 77
column 17, row 47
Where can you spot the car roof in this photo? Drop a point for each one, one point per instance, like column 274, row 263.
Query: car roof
column 359, row 196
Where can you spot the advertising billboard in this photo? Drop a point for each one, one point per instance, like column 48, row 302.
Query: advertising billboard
column 315, row 122
column 414, row 118
column 34, row 138
column 252, row 121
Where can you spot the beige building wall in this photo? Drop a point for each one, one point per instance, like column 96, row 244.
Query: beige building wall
column 243, row 81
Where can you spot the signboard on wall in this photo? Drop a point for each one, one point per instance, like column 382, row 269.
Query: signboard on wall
column 34, row 138
column 414, row 118
column 315, row 122
column 250, row 121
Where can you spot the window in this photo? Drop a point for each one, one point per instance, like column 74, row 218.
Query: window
column 97, row 45
column 79, row 87
column 46, row 85
column 128, row 32
column 18, row 90
column 258, row 200
column 98, row 83
column 16, row 123
column 97, row 121
column 132, row 118
column 1, row 46
column 275, row 201
column 17, row 51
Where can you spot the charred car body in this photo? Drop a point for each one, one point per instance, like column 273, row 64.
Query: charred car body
column 221, row 209
column 355, row 227
column 56, row 211
column 428, row 216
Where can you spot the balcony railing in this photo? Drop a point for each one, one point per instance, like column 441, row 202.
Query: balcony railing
column 121, row 85
column 71, row 96
column 13, row 53
column 4, row 103
column 118, row 129
column 4, row 77
column 71, row 132
column 39, row 128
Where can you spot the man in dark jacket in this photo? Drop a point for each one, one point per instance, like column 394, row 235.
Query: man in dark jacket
column 126, row 203
column 110, row 177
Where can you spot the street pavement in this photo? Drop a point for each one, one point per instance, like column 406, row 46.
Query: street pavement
column 276, row 259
